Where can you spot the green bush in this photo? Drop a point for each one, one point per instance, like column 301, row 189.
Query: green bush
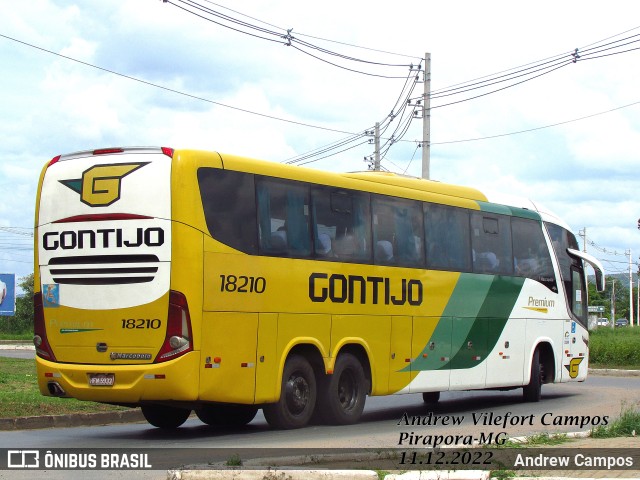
column 618, row 347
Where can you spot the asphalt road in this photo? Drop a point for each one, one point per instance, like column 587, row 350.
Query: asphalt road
column 381, row 426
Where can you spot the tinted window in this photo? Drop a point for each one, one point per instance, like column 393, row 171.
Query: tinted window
column 561, row 239
column 228, row 200
column 448, row 239
column 398, row 232
column 531, row 256
column 283, row 218
column 491, row 244
column 341, row 225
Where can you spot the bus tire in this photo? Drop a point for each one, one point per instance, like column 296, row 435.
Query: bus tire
column 227, row 415
column 431, row 398
column 165, row 417
column 533, row 391
column 297, row 396
column 342, row 395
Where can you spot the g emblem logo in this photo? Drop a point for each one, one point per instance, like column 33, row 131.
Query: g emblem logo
column 574, row 366
column 100, row 184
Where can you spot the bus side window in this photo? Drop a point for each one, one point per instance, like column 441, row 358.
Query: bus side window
column 447, row 237
column 341, row 225
column 398, row 232
column 578, row 294
column 531, row 256
column 283, row 218
column 491, row 244
column 229, row 204
column 570, row 269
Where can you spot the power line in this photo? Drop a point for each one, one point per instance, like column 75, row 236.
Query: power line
column 537, row 128
column 172, row 90
column 283, row 37
column 312, row 36
column 395, row 140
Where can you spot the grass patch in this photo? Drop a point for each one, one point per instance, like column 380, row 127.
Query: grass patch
column 545, row 439
column 28, row 336
column 615, row 348
column 234, row 461
column 20, row 396
column 626, row 425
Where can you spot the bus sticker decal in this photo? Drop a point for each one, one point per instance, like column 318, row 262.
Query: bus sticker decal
column 100, row 184
column 50, row 295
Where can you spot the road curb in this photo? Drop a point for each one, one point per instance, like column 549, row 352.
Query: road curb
column 287, row 474
column 71, row 420
column 614, row 372
column 272, row 474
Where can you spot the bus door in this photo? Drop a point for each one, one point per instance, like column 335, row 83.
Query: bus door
column 575, row 343
column 400, row 353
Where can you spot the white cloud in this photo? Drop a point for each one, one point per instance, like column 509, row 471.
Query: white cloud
column 586, row 170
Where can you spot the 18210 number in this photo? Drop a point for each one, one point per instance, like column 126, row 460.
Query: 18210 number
column 131, row 323
column 242, row 284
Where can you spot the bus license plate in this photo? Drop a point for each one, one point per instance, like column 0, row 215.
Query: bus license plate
column 102, row 379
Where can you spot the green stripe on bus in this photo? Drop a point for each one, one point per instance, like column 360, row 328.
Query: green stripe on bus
column 507, row 210
column 477, row 311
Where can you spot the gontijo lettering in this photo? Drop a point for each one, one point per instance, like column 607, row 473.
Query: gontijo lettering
column 338, row 288
column 102, row 238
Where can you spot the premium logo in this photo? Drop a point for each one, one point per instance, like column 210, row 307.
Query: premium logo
column 100, row 184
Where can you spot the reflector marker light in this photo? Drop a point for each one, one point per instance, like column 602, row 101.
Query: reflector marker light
column 107, row 151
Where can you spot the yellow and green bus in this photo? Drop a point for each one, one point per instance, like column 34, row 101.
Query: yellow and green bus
column 182, row 280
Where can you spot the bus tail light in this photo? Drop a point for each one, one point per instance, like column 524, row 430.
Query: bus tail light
column 43, row 349
column 178, row 339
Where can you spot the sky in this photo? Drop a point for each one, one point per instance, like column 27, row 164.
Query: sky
column 79, row 75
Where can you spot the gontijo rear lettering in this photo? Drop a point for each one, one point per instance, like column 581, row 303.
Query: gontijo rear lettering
column 102, row 238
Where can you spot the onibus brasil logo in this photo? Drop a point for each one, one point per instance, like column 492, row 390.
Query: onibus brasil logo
column 100, row 184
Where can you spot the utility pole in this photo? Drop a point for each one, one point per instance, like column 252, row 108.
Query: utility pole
column 376, row 153
column 583, row 233
column 613, row 303
column 638, row 299
column 630, row 291
column 426, row 118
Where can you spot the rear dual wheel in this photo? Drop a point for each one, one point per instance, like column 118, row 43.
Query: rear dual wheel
column 297, row 397
column 165, row 417
column 342, row 395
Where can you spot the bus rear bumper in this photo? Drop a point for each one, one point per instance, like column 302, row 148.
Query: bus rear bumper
column 175, row 380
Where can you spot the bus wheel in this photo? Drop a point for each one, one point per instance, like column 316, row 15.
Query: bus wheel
column 341, row 396
column 533, row 391
column 431, row 398
column 227, row 415
column 297, row 397
column 162, row 416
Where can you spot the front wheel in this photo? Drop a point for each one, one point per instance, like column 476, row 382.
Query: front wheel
column 227, row 415
column 165, row 417
column 297, row 396
column 341, row 396
column 533, row 391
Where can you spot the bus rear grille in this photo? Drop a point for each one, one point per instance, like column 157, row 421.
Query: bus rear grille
column 104, row 269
